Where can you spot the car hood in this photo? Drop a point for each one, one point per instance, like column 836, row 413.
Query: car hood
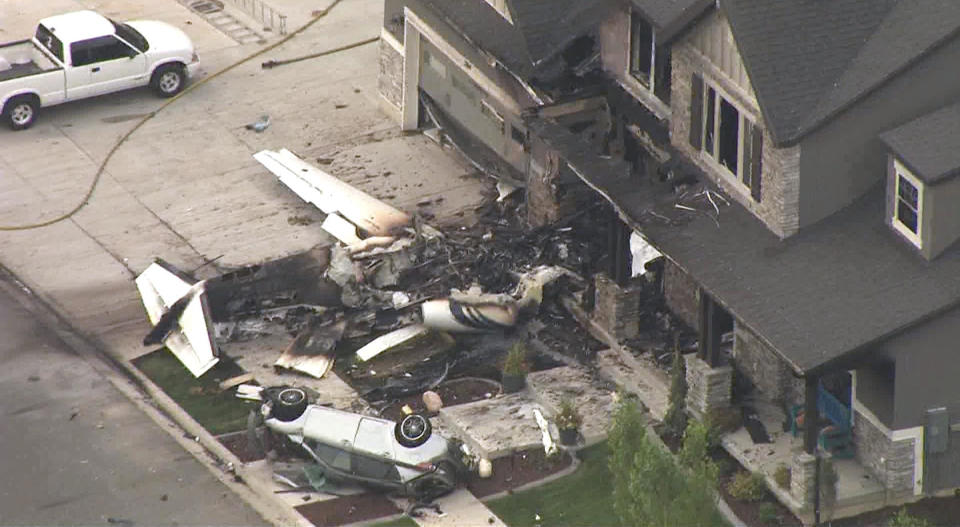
column 164, row 38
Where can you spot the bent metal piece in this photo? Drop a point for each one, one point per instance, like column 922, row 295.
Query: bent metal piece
column 456, row 316
column 330, row 194
column 180, row 315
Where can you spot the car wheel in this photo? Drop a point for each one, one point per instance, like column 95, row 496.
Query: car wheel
column 413, row 430
column 168, row 80
column 20, row 112
column 289, row 404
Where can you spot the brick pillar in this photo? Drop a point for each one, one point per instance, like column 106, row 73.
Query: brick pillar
column 708, row 388
column 617, row 309
column 801, row 479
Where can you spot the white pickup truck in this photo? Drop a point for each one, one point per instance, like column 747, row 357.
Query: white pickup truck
column 83, row 54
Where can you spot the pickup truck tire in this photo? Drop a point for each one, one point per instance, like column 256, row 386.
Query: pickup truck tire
column 168, row 80
column 20, row 112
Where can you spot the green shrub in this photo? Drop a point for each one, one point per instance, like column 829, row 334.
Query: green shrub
column 516, row 362
column 902, row 518
column 568, row 418
column 767, row 514
column 747, row 486
column 675, row 420
column 782, row 476
column 721, row 421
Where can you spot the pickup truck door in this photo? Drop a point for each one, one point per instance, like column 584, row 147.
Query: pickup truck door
column 104, row 65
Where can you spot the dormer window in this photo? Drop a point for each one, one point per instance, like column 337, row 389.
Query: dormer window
column 908, row 203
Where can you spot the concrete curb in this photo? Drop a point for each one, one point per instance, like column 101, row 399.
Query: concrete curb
column 141, row 391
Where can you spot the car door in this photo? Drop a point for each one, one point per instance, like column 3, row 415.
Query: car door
column 111, row 65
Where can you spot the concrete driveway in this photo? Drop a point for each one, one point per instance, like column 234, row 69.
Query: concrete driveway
column 185, row 187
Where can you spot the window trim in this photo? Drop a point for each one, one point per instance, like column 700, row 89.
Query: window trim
column 651, row 75
column 746, row 120
column 900, row 170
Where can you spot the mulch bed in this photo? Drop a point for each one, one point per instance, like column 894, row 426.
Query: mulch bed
column 452, row 393
column 236, row 442
column 519, row 468
column 749, row 511
column 348, row 509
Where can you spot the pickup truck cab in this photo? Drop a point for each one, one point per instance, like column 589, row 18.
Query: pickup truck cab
column 84, row 54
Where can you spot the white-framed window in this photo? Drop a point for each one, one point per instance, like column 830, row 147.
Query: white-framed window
column 649, row 65
column 907, row 203
column 727, row 135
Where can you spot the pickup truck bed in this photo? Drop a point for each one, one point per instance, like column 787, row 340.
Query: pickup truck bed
column 21, row 59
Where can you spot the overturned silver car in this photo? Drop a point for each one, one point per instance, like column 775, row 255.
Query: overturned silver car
column 404, row 457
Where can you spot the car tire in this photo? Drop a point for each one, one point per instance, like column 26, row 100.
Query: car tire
column 168, row 80
column 289, row 404
column 20, row 112
column 413, row 430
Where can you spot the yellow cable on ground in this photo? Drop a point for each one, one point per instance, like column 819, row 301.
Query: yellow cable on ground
column 103, row 165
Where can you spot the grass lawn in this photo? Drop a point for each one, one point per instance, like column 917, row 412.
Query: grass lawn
column 582, row 498
column 402, row 521
column 217, row 411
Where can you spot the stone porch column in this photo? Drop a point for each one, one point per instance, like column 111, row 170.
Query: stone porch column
column 708, row 389
column 616, row 309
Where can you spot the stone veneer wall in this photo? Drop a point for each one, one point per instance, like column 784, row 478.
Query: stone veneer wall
column 780, row 188
column 768, row 372
column 802, row 477
column 708, row 388
column 681, row 294
column 616, row 309
column 873, row 444
column 390, row 80
column 549, row 198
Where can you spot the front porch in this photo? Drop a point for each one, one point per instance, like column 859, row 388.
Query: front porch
column 858, row 490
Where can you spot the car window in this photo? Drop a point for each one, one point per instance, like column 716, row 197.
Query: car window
column 369, row 467
column 100, row 49
column 47, row 39
column 335, row 457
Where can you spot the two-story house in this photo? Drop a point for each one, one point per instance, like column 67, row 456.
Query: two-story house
column 831, row 129
column 796, row 162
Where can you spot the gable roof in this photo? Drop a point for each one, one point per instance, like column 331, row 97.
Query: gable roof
column 810, row 59
column 540, row 28
column 838, row 287
column 929, row 145
column 669, row 17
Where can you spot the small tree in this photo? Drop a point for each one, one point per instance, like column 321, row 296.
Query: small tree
column 650, row 487
column 626, row 433
column 675, row 420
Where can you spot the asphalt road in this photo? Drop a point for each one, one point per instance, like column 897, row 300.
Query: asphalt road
column 76, row 451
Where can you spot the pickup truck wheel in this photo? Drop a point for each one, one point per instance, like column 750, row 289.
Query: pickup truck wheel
column 20, row 112
column 168, row 80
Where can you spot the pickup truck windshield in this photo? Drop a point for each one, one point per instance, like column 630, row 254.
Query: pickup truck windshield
column 47, row 39
column 131, row 35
